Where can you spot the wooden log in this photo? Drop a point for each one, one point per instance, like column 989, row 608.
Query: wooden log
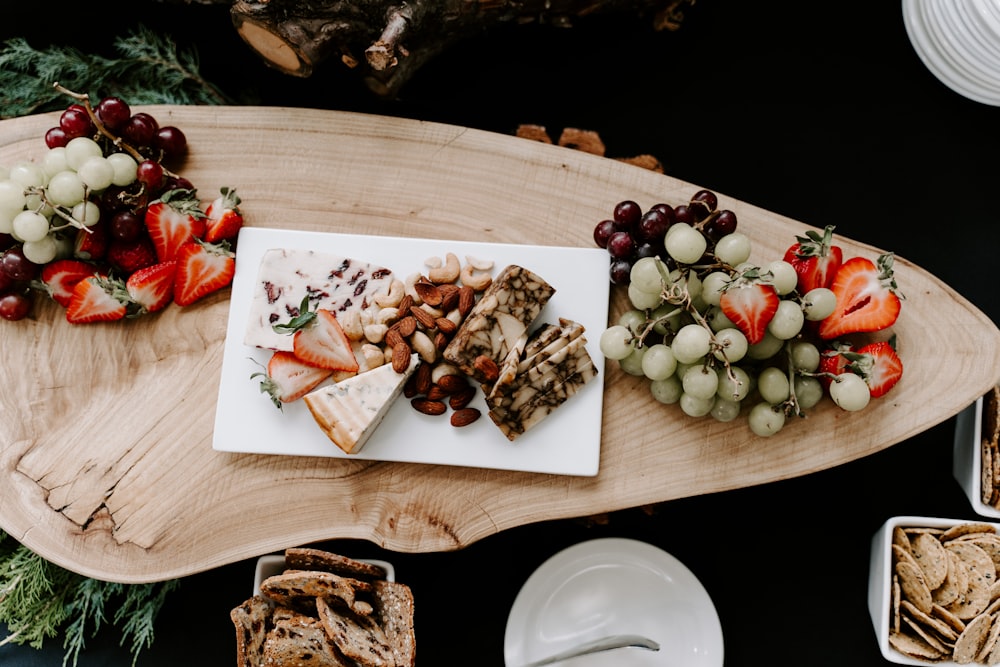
column 386, row 41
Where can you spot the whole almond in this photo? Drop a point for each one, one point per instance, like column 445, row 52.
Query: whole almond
column 486, row 368
column 428, row 292
column 449, row 296
column 422, row 376
column 401, row 356
column 441, row 341
column 445, row 326
column 452, row 383
column 425, row 319
column 407, row 326
column 464, row 417
column 466, row 299
column 393, row 337
column 462, row 397
column 428, row 407
column 410, row 386
column 437, row 393
column 404, row 305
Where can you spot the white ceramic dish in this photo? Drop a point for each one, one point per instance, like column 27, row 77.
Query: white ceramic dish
column 269, row 566
column 567, row 442
column 967, row 458
column 880, row 582
column 614, row 586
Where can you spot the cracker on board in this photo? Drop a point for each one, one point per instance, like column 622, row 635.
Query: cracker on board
column 357, row 637
column 991, row 640
column 293, row 586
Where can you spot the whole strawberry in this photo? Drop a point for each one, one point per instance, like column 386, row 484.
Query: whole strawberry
column 815, row 259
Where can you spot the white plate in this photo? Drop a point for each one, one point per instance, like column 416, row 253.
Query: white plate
column 614, row 586
column 567, row 442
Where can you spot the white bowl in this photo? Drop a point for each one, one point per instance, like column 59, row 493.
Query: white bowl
column 268, row 566
column 967, row 458
column 880, row 581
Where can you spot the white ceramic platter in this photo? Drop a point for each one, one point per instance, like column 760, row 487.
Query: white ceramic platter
column 567, row 442
column 614, row 586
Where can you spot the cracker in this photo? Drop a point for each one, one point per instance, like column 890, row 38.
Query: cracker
column 914, row 647
column 302, row 558
column 954, row 585
column 967, row 529
column 394, row 607
column 991, row 641
column 986, row 471
column 931, row 556
column 924, row 634
column 953, row 621
column 938, row 626
column 251, row 622
column 296, row 587
column 301, row 640
column 972, row 638
column 357, row 637
column 981, row 575
column 913, row 586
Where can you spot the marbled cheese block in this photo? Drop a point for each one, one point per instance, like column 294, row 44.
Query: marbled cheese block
column 349, row 411
column 331, row 282
column 500, row 319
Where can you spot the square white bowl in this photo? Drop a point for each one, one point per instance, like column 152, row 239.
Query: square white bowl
column 967, row 458
column 268, row 566
column 880, row 581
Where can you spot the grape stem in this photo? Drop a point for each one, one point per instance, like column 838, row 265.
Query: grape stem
column 84, row 99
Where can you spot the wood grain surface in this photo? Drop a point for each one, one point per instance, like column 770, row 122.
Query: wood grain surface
column 106, row 430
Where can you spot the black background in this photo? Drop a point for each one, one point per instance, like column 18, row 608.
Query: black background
column 821, row 112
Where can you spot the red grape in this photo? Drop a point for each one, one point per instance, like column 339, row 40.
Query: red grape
column 722, row 224
column 75, row 122
column 15, row 306
column 114, row 112
column 621, row 245
column 56, row 138
column 171, row 141
column 140, row 130
column 626, row 215
column 17, row 266
column 149, row 173
column 703, row 202
column 603, row 231
column 620, row 271
column 126, row 226
column 653, row 225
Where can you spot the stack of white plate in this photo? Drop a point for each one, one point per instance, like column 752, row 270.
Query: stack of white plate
column 959, row 42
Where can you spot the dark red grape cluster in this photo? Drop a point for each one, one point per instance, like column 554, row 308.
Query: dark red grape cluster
column 631, row 233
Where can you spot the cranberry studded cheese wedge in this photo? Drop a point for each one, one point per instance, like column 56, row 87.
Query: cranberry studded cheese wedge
column 867, row 298
column 349, row 411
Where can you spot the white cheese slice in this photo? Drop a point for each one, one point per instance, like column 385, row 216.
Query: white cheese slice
column 350, row 410
column 331, row 282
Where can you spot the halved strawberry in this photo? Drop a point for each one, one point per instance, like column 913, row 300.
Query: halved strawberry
column 815, row 259
column 97, row 299
column 174, row 219
column 61, row 276
column 224, row 219
column 867, row 298
column 152, row 288
column 319, row 340
column 750, row 303
column 880, row 366
column 833, row 362
column 288, row 378
column 202, row 268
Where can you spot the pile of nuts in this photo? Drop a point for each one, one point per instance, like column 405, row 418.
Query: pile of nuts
column 422, row 314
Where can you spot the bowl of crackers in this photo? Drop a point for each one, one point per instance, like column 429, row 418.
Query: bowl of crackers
column 321, row 609
column 976, row 458
column 932, row 591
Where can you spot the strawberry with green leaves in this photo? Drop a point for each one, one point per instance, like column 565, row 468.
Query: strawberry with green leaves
column 59, row 277
column 174, row 219
column 750, row 302
column 223, row 217
column 319, row 340
column 202, row 268
column 288, row 378
column 815, row 259
column 867, row 298
column 152, row 288
column 97, row 299
column 879, row 365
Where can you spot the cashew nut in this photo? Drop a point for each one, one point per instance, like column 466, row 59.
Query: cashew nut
column 424, row 346
column 477, row 281
column 373, row 356
column 408, row 287
column 432, row 311
column 479, row 264
column 433, row 262
column 442, row 369
column 455, row 316
column 391, row 298
column 350, row 322
column 447, row 273
column 375, row 333
column 387, row 315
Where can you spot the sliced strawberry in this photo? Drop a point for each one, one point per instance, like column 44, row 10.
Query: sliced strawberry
column 866, row 298
column 815, row 258
column 750, row 303
column 61, row 276
column 880, row 366
column 97, row 299
column 129, row 256
column 319, row 340
column 174, row 219
column 224, row 219
column 152, row 288
column 91, row 243
column 833, row 362
column 202, row 268
column 288, row 378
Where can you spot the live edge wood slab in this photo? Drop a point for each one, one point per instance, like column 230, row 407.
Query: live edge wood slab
column 106, row 431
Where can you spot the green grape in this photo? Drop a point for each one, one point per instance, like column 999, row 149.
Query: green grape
column 783, row 276
column 772, row 385
column 96, row 173
column 808, row 391
column 666, row 391
column 818, row 304
column 787, row 321
column 733, row 345
column 54, row 161
column 643, row 300
column 632, row 364
column 646, row 276
column 6, row 222
column 41, row 251
column 30, row 226
column 685, row 243
column 766, row 348
column 634, row 320
column 850, row 392
column 691, row 343
column 124, row 167
column 12, row 198
column 87, row 213
column 700, row 382
column 724, row 410
column 694, row 406
column 765, row 419
column 667, row 318
column 713, row 285
column 81, row 148
column 28, row 175
column 734, row 384
column 65, row 188
column 804, row 355
column 658, row 362
column 718, row 320
column 733, row 249
column 616, row 342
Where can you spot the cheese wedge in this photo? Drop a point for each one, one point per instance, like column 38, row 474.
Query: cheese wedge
column 349, row 411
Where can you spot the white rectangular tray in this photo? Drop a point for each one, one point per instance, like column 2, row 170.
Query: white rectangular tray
column 568, row 442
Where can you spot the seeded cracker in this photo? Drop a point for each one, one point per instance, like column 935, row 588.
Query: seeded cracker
column 923, row 633
column 302, row 558
column 991, row 641
column 358, row 637
column 913, row 586
column 954, row 585
column 939, row 627
column 972, row 639
column 932, row 557
column 981, row 575
column 915, row 647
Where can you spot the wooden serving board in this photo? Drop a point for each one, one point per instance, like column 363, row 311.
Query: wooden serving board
column 106, row 432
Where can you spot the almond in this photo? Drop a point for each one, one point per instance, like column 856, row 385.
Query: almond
column 407, row 326
column 428, row 292
column 401, row 356
column 441, row 341
column 449, row 296
column 393, row 337
column 466, row 300
column 410, row 387
column 462, row 397
column 404, row 305
column 437, row 393
column 425, row 319
column 428, row 407
column 422, row 378
column 486, row 368
column 452, row 383
column 464, row 417
column 445, row 326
